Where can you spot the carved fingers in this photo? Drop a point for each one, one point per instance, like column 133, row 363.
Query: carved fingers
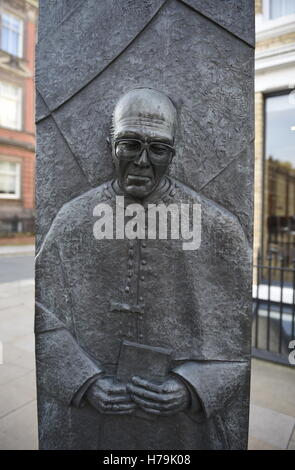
column 109, row 396
column 166, row 398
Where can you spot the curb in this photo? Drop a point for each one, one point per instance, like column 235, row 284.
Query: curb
column 11, row 250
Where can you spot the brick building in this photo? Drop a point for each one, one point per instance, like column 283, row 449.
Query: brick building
column 18, row 20
column 275, row 128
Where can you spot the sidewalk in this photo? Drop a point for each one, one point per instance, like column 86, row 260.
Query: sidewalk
column 9, row 250
column 272, row 411
column 272, row 417
column 18, row 417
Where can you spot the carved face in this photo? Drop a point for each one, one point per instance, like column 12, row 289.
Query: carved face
column 144, row 125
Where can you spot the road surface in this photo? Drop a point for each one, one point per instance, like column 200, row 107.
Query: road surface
column 16, row 267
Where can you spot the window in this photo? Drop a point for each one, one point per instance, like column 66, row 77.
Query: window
column 280, row 122
column 9, row 180
column 10, row 106
column 278, row 8
column 279, row 174
column 11, row 34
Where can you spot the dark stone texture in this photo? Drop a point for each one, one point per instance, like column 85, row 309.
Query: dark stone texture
column 236, row 17
column 91, row 294
column 52, row 13
column 42, row 110
column 108, row 28
column 58, row 186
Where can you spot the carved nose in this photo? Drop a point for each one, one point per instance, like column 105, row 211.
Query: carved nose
column 143, row 159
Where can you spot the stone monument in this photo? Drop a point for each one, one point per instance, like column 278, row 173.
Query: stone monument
column 144, row 227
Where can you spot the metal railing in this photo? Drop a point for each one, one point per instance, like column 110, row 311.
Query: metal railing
column 273, row 308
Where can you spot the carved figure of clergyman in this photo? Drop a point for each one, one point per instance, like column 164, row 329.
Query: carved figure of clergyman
column 178, row 315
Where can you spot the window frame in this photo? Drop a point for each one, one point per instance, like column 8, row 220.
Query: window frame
column 263, row 235
column 20, row 53
column 266, row 12
column 17, row 174
column 19, row 126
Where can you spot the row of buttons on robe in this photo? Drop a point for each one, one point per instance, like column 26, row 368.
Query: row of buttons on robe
column 130, row 272
column 143, row 263
column 166, row 198
column 143, row 268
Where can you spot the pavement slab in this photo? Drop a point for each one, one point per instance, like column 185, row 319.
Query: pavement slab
column 291, row 445
column 9, row 250
column 271, row 427
column 18, row 430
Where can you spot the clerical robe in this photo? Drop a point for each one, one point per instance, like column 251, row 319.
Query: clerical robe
column 93, row 294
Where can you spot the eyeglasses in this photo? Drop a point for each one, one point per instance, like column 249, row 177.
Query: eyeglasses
column 129, row 149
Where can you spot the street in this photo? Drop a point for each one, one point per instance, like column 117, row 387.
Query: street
column 15, row 268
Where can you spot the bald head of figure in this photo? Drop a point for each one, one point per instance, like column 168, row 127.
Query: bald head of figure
column 143, row 133
column 145, row 109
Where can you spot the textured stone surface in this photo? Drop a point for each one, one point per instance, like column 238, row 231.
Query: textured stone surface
column 52, row 13
column 58, row 173
column 236, row 17
column 198, row 303
column 99, row 33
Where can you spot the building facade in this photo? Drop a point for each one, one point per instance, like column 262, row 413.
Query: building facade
column 274, row 217
column 18, row 22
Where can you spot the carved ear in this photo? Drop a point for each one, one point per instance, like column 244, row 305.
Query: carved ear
column 109, row 142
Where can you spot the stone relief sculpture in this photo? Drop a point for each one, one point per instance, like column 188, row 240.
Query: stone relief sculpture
column 142, row 344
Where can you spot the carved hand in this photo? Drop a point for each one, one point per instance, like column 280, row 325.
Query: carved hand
column 166, row 398
column 109, row 396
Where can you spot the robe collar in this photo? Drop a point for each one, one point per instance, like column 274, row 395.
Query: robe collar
column 158, row 195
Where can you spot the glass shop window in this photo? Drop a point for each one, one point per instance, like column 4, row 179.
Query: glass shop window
column 11, row 34
column 10, row 106
column 278, row 8
column 9, row 180
column 279, row 174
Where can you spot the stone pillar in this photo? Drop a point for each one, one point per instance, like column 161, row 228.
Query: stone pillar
column 110, row 310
